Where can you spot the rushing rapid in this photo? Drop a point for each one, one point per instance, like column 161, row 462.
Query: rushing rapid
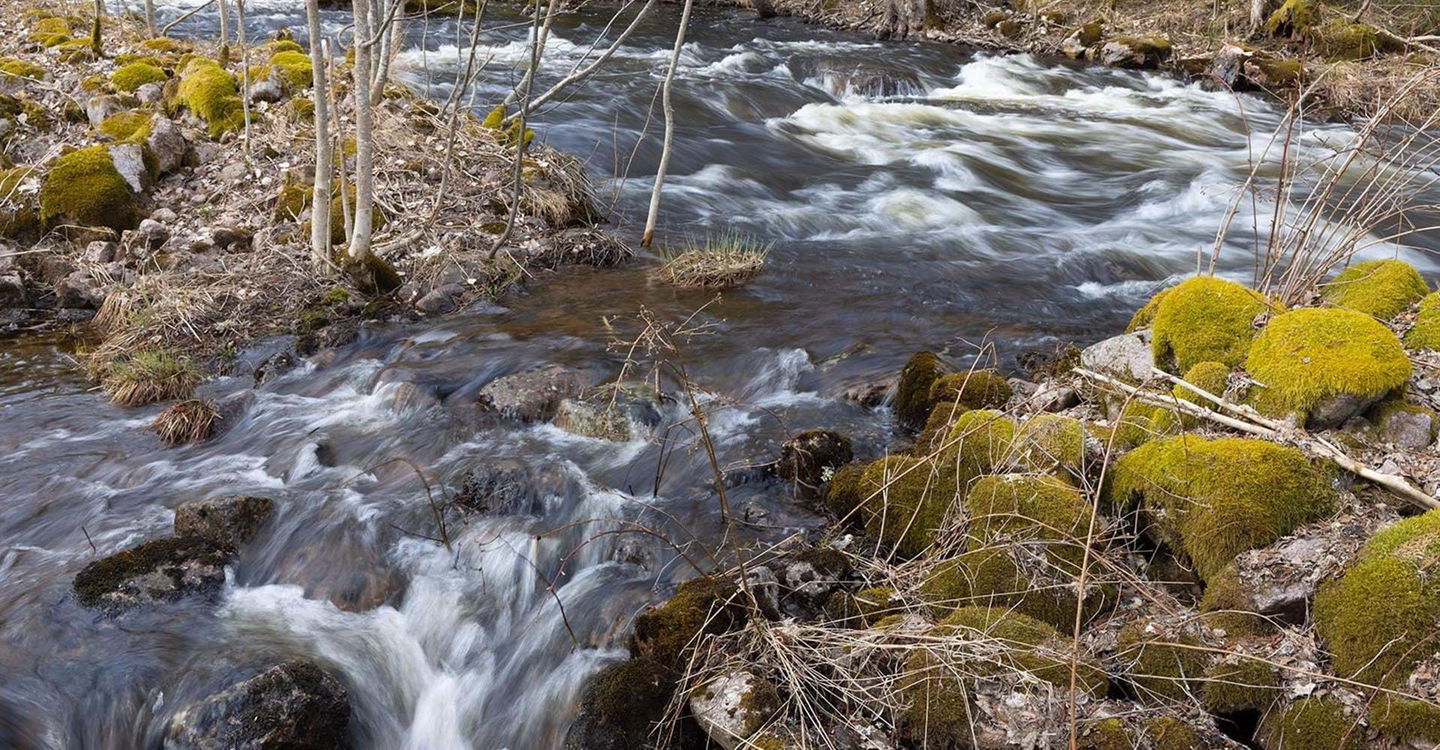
column 933, row 200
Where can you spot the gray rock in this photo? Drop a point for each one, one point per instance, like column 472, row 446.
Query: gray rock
column 235, row 171
column 225, row 521
column 100, row 108
column 732, row 707
column 54, row 268
column 1053, row 396
column 810, row 576
column 12, row 291
column 169, row 146
column 443, row 299
column 157, row 571
column 79, row 290
column 609, row 412
column 153, row 235
column 265, row 91
column 510, row 487
column 230, row 239
column 294, row 705
column 101, row 252
column 129, row 161
column 1228, row 65
column 150, row 93
column 1411, row 428
column 164, row 215
column 1127, row 356
column 1141, row 53
column 766, row 588
column 531, row 396
column 808, row 459
column 1332, row 411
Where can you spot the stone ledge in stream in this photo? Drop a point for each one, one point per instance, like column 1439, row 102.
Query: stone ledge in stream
column 294, row 705
column 532, row 395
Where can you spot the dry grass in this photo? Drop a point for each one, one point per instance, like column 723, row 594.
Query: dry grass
column 148, row 376
column 189, row 421
column 718, row 263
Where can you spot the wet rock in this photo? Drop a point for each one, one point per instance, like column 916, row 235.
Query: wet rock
column 79, row 290
column 765, row 587
column 731, row 708
column 1141, row 53
column 53, row 269
column 226, row 521
column 808, row 459
column 612, row 411
column 157, row 571
column 441, row 300
column 1127, row 356
column 620, row 705
column 12, row 291
column 509, row 486
column 1227, row 66
column 294, row 705
column 168, row 146
column 531, row 396
column 412, row 397
column 842, row 76
column 809, row 577
column 871, row 395
column 100, row 108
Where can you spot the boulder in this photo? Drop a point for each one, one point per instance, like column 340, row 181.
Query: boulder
column 226, row 521
column 867, row 79
column 1138, row 52
column 1128, row 356
column 531, row 396
column 441, row 300
column 101, row 252
column 12, row 291
column 620, row 705
column 266, row 91
column 1085, row 37
column 612, row 411
column 157, row 571
column 509, row 486
column 129, row 159
column 100, row 108
column 1405, row 426
column 809, row 459
column 1227, row 66
column 150, row 93
column 167, row 145
column 79, row 290
column 294, row 705
column 153, row 235
column 732, row 707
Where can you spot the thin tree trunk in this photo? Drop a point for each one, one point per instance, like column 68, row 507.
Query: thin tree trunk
column 669, row 106
column 320, row 196
column 95, row 28
column 244, row 79
column 364, row 135
column 390, row 42
column 224, row 32
column 518, row 183
column 583, row 73
column 541, row 37
column 150, row 17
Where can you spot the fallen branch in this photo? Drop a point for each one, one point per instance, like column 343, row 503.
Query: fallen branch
column 1253, row 423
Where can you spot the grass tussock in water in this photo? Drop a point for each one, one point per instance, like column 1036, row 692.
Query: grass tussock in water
column 715, row 263
column 189, row 421
column 149, row 376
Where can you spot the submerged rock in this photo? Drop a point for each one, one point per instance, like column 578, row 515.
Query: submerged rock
column 531, row 396
column 869, row 79
column 294, row 705
column 226, row 521
column 157, row 571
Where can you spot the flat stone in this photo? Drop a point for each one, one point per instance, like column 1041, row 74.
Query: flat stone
column 1127, row 356
column 532, row 395
column 227, row 521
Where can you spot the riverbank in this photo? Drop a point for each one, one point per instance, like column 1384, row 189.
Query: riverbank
column 1347, row 59
column 157, row 214
column 1212, row 530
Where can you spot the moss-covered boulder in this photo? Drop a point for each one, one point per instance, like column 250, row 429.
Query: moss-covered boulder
column 1055, row 443
column 292, row 69
column 905, row 501
column 1382, row 288
column 84, row 188
column 1380, row 618
column 19, row 202
column 210, row 93
column 1139, row 52
column 1163, row 661
column 1235, row 683
column 1313, row 722
column 973, row 389
column 843, row 495
column 912, row 396
column 700, row 606
column 1294, row 18
column 978, row 643
column 1205, row 319
column 1210, row 377
column 127, row 78
column 1339, row 39
column 1324, row 365
column 1213, row 499
column 51, row 31
column 1406, row 720
column 12, row 68
column 1425, row 334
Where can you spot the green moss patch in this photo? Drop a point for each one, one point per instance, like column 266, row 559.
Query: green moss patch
column 978, row 389
column 1031, row 507
column 1425, row 334
column 1205, row 319
column 1313, row 722
column 19, row 204
column 1382, row 288
column 1339, row 39
column 907, row 502
column 136, row 74
column 1296, row 18
column 1308, row 357
column 128, row 126
column 1145, row 316
column 699, row 606
column 1380, row 618
column 912, row 396
column 12, row 67
column 1238, row 684
column 1213, row 499
column 294, row 69
column 212, row 94
column 1405, row 719
column 83, row 188
column 1049, row 442
column 1163, row 666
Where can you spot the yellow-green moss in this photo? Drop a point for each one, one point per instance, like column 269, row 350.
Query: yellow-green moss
column 83, row 188
column 50, row 32
column 980, row 389
column 128, row 126
column 77, row 51
column 1406, row 719
column 166, row 45
column 10, row 66
column 978, row 442
column 1145, row 316
column 1170, row 733
column 875, row 604
column 1380, row 618
column 302, row 108
column 1305, row 357
column 295, row 69
column 907, row 502
column 1163, row 666
column 1313, row 722
column 1425, row 334
column 1227, row 605
column 1211, row 377
column 1213, row 499
column 1031, row 507
column 1294, row 18
column 1105, row 734
column 912, row 394
column 1382, row 288
column 1139, row 423
column 135, row 75
column 282, row 45
column 843, row 495
column 136, row 57
column 1047, row 442
column 1234, row 685
column 988, row 576
column 211, row 94
column 663, row 633
column 35, row 114
column 19, row 215
column 1339, row 39
column 1205, row 319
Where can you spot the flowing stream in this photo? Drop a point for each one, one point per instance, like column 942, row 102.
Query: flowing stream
column 1008, row 200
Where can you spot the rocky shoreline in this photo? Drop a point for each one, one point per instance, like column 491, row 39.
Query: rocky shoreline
column 1097, row 553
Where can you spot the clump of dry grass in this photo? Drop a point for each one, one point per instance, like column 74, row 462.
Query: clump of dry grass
column 148, row 376
column 189, row 421
column 715, row 263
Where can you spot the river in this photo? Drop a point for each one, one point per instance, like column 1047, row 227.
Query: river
column 1010, row 201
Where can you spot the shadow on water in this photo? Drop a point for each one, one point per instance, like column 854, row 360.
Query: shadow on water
column 1006, row 199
